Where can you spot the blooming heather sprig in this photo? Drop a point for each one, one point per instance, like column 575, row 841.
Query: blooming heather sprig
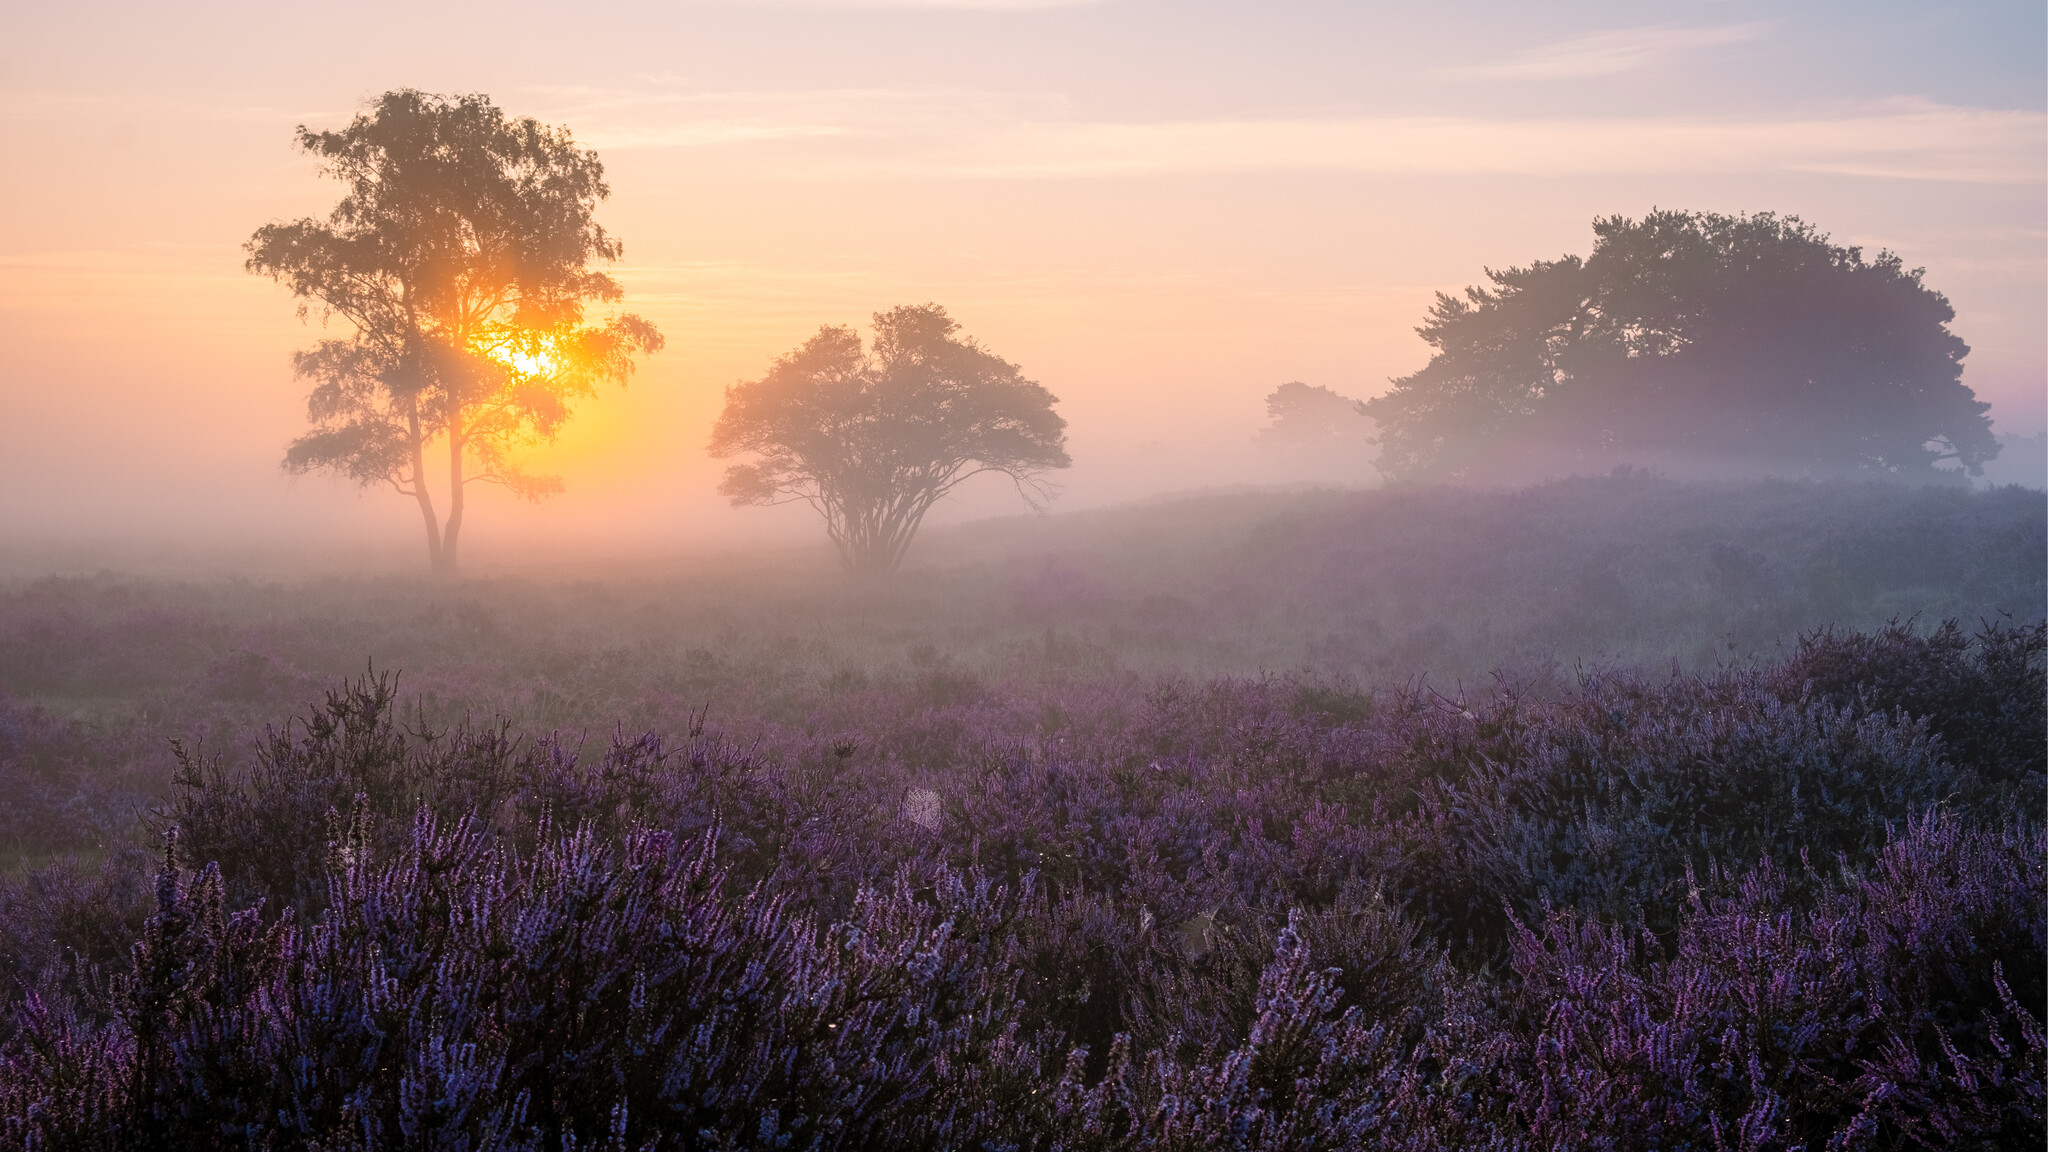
column 1755, row 909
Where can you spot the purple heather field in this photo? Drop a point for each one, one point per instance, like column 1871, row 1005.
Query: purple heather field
column 1602, row 814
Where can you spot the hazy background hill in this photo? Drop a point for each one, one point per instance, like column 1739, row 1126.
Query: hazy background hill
column 1367, row 585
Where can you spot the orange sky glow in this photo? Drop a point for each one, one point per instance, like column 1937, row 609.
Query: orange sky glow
column 1161, row 212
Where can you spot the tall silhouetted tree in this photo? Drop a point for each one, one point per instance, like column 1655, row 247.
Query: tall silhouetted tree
column 873, row 437
column 1749, row 341
column 460, row 257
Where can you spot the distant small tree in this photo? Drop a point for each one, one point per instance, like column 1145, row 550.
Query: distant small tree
column 873, row 437
column 1746, row 340
column 1311, row 416
column 460, row 258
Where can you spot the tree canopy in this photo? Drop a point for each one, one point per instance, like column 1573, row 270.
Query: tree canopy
column 873, row 436
column 459, row 257
column 1695, row 340
column 1309, row 416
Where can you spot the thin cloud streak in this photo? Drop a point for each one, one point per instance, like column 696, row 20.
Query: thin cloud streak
column 1917, row 142
column 42, row 106
column 938, row 5
column 648, row 112
column 704, row 135
column 1607, row 53
column 921, row 136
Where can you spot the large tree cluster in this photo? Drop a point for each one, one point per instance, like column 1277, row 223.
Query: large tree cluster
column 1691, row 341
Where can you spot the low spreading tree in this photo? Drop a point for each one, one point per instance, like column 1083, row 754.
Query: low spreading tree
column 460, row 259
column 1692, row 340
column 1310, row 417
column 873, row 436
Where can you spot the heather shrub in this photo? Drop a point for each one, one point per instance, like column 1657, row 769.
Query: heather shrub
column 1173, row 802
column 460, row 994
column 1305, row 1074
column 63, row 920
column 464, row 994
column 268, row 822
column 1767, row 907
column 1879, row 1015
column 1605, row 803
column 1197, row 986
column 1980, row 693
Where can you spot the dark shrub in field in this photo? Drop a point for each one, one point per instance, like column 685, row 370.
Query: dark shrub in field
column 1793, row 906
column 267, row 824
column 1981, row 694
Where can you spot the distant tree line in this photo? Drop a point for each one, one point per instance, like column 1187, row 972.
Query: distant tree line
column 460, row 257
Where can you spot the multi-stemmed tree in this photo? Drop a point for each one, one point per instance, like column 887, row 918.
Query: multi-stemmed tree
column 460, row 257
column 873, row 437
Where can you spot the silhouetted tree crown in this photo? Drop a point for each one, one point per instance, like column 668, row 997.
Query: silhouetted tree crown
column 873, row 437
column 1310, row 415
column 460, row 257
column 1690, row 337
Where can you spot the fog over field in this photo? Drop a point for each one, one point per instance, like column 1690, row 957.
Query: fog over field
column 1051, row 575
column 1160, row 213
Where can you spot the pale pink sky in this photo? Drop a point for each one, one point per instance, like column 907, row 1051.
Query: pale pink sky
column 1160, row 210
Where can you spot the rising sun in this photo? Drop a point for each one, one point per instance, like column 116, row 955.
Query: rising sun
column 534, row 356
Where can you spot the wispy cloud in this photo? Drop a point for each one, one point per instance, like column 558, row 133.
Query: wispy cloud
column 34, row 104
column 1905, row 140
column 705, row 134
column 955, row 5
column 662, row 113
column 978, row 134
column 1607, row 53
column 996, row 135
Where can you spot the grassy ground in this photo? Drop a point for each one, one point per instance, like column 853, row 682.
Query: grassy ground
column 1373, row 586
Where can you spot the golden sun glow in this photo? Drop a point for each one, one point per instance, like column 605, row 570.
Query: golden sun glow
column 532, row 357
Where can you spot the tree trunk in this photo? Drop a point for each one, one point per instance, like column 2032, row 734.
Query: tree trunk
column 434, row 557
column 419, row 490
column 452, row 533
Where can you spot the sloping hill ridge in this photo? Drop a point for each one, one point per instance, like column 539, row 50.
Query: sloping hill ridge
column 1626, row 567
